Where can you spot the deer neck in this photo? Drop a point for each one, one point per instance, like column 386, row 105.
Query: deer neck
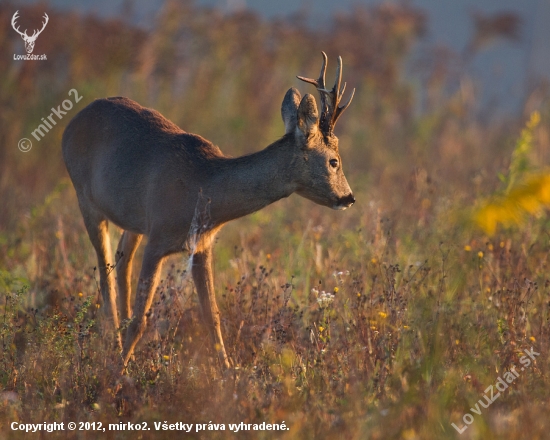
column 249, row 183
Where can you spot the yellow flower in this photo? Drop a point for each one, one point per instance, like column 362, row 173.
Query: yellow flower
column 97, row 306
column 457, row 342
column 480, row 254
column 534, row 120
column 383, row 315
column 80, row 294
column 358, row 295
column 321, row 328
column 166, row 357
column 490, row 247
column 532, row 338
column 468, row 248
column 374, row 261
column 268, row 256
column 336, row 290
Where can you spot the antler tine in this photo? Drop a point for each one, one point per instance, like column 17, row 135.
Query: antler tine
column 320, row 82
column 336, row 88
column 44, row 23
column 341, row 93
column 340, row 109
column 13, row 23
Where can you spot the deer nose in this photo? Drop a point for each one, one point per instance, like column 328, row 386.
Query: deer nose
column 346, row 201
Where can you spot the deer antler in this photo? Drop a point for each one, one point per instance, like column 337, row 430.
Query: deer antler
column 16, row 29
column 36, row 33
column 330, row 99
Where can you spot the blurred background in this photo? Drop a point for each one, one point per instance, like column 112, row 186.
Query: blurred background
column 465, row 27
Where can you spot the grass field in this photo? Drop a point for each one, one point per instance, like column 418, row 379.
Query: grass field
column 392, row 319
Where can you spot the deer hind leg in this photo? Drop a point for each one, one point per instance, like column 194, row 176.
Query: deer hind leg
column 148, row 281
column 98, row 231
column 126, row 250
column 204, row 282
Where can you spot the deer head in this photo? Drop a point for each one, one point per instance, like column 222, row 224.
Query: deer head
column 29, row 40
column 318, row 168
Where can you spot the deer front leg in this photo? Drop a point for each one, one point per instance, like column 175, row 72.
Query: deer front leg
column 127, row 246
column 98, row 231
column 148, row 281
column 204, row 282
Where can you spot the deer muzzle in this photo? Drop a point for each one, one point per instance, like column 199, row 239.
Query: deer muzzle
column 345, row 202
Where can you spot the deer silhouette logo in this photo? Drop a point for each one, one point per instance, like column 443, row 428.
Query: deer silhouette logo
column 29, row 40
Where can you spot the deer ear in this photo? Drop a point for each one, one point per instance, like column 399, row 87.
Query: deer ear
column 308, row 116
column 289, row 109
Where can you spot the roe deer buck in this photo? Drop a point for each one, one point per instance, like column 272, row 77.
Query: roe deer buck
column 132, row 166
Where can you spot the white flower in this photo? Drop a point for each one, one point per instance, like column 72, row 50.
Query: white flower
column 325, row 299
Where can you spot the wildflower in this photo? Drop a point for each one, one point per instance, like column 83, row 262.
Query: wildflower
column 358, row 295
column 80, row 294
column 383, row 315
column 166, row 357
column 97, row 306
column 480, row 254
column 268, row 256
column 325, row 299
column 321, row 328
column 457, row 342
column 532, row 338
column 336, row 290
column 374, row 261
column 468, row 248
column 490, row 247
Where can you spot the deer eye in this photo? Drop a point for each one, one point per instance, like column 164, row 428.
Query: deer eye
column 333, row 163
